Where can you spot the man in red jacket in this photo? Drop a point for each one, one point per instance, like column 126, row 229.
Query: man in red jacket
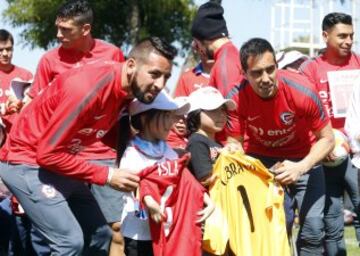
column 74, row 22
column 41, row 165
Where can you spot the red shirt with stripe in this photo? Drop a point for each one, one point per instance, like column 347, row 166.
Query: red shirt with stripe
column 176, row 140
column 59, row 60
column 280, row 126
column 316, row 71
column 5, row 82
column 191, row 80
column 226, row 72
column 225, row 75
column 52, row 130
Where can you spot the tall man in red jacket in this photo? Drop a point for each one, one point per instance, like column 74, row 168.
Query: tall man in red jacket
column 74, row 22
column 42, row 166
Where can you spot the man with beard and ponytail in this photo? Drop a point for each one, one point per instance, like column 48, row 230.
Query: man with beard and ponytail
column 42, row 167
column 211, row 37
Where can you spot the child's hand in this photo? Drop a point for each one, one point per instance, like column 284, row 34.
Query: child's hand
column 12, row 105
column 233, row 147
column 208, row 210
column 208, row 181
column 154, row 209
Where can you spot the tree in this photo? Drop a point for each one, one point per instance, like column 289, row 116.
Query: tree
column 122, row 22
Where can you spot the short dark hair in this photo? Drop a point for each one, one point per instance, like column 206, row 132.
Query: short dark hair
column 149, row 115
column 153, row 44
column 254, row 47
column 138, row 123
column 193, row 121
column 334, row 18
column 79, row 10
column 5, row 36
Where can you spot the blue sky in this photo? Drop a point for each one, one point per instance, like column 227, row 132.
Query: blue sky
column 245, row 19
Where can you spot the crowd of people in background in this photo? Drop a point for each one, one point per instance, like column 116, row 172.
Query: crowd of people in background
column 94, row 156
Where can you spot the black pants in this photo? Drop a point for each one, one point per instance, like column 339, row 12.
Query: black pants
column 138, row 247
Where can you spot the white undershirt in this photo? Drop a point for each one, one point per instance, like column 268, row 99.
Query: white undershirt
column 131, row 226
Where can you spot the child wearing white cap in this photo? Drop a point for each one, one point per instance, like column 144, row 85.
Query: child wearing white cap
column 152, row 123
column 291, row 60
column 206, row 117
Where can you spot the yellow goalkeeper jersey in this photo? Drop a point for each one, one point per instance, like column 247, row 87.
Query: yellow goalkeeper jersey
column 249, row 212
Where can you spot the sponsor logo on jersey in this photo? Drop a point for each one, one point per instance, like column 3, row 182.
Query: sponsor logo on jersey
column 256, row 130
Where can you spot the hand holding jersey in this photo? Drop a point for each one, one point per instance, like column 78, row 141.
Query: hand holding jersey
column 205, row 213
column 208, row 180
column 289, row 172
column 13, row 105
column 158, row 215
column 154, row 209
column 233, row 145
column 123, row 180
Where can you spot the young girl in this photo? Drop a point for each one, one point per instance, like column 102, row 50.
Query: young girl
column 177, row 138
column 206, row 117
column 152, row 123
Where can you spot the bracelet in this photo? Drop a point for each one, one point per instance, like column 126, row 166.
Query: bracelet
column 110, row 174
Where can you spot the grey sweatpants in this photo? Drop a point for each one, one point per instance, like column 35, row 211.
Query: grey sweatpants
column 61, row 208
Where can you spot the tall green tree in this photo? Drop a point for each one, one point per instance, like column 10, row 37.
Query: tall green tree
column 122, row 22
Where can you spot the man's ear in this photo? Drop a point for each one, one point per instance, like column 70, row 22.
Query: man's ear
column 325, row 36
column 130, row 66
column 244, row 73
column 86, row 29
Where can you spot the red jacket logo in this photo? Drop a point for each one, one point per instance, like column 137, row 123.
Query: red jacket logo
column 287, row 118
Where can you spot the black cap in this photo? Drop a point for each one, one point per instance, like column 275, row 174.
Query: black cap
column 209, row 22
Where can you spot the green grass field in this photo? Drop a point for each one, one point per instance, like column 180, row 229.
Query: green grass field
column 352, row 246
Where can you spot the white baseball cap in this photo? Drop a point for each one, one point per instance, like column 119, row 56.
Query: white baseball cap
column 286, row 58
column 209, row 98
column 163, row 101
